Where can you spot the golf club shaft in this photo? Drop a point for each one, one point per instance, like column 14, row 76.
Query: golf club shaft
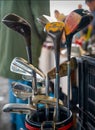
column 47, row 94
column 29, row 54
column 55, row 30
column 56, row 86
column 68, row 88
column 69, row 41
column 57, row 82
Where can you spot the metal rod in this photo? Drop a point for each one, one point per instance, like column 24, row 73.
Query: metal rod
column 57, row 95
column 47, row 94
column 68, row 88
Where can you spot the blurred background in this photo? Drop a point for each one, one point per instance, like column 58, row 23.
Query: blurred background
column 64, row 6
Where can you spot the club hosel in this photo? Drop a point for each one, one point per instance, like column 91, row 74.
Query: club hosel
column 56, row 91
column 56, row 36
column 29, row 54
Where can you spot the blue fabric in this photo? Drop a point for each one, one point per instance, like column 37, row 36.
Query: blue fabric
column 51, row 94
column 18, row 119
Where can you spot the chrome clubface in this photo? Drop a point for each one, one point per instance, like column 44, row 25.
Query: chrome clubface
column 21, row 90
column 21, row 66
column 19, row 108
column 30, row 78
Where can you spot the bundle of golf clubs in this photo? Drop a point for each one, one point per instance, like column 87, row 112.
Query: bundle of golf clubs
column 75, row 21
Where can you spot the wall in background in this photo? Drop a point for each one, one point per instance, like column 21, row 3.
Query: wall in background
column 65, row 6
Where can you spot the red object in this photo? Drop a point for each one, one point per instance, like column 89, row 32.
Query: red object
column 79, row 42
column 67, row 127
column 65, row 123
column 48, row 46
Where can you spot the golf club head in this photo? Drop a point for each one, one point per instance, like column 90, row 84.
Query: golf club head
column 77, row 20
column 43, row 99
column 17, row 24
column 21, row 66
column 63, row 67
column 55, row 30
column 21, row 91
column 44, row 19
column 74, row 22
column 21, row 26
column 19, row 108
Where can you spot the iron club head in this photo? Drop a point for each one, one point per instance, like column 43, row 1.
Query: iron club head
column 45, row 100
column 21, row 90
column 17, row 24
column 21, row 26
column 21, row 66
column 19, row 108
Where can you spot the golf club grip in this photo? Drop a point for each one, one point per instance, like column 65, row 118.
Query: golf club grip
column 63, row 68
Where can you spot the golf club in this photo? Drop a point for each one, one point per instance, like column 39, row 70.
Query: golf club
column 19, row 108
column 62, row 72
column 55, row 30
column 23, row 91
column 74, row 22
column 45, row 100
column 47, row 94
column 21, row 26
column 21, row 66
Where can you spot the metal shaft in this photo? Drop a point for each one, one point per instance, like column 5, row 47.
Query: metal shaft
column 47, row 94
column 68, row 88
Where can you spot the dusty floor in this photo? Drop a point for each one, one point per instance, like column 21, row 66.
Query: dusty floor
column 4, row 117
